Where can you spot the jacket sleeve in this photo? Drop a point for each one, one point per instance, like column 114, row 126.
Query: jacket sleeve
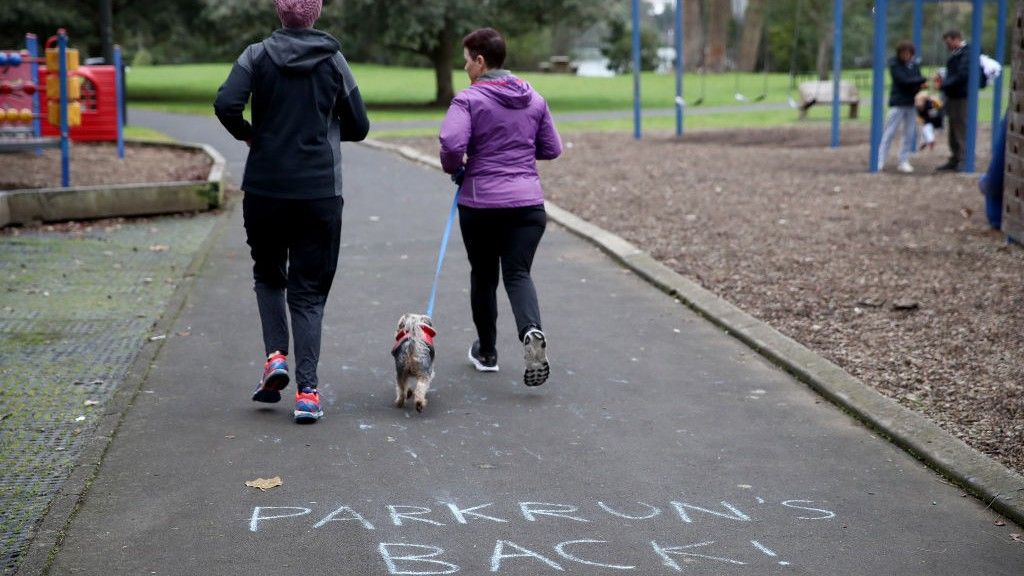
column 233, row 96
column 549, row 143
column 455, row 132
column 906, row 76
column 958, row 73
column 348, row 106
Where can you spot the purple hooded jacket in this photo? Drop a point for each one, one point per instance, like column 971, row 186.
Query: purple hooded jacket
column 504, row 127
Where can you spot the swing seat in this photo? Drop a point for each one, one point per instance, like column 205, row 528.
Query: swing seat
column 820, row 92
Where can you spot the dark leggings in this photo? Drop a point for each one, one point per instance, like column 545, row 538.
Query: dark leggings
column 502, row 239
column 294, row 246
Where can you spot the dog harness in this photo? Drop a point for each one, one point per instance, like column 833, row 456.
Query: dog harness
column 403, row 335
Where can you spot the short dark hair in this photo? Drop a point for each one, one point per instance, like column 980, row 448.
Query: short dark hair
column 952, row 34
column 905, row 45
column 486, row 42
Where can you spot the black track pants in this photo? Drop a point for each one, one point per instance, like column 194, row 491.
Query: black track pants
column 294, row 246
column 504, row 239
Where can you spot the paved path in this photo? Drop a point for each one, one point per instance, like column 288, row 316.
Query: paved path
column 660, row 445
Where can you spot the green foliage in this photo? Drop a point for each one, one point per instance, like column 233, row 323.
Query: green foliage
column 142, row 57
column 618, row 47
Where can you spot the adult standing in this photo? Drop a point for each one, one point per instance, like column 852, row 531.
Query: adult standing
column 906, row 82
column 954, row 86
column 491, row 138
column 305, row 102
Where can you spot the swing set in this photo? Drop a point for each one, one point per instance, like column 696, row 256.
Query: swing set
column 879, row 59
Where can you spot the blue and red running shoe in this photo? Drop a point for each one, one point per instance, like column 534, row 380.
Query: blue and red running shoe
column 307, row 406
column 275, row 378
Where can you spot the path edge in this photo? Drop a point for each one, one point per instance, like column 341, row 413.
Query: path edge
column 994, row 484
column 52, row 526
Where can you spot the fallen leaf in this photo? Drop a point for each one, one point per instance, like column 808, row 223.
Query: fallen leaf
column 1016, row 537
column 486, row 466
column 966, row 212
column 265, row 483
column 158, row 337
column 159, row 248
column 91, row 402
column 230, row 436
column 184, row 333
column 1000, row 523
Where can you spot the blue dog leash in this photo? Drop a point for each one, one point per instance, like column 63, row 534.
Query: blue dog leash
column 444, row 247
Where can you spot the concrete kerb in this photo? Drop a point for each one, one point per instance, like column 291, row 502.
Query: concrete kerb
column 51, row 528
column 994, row 484
column 106, row 201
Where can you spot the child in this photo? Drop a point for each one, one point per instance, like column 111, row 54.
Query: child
column 929, row 115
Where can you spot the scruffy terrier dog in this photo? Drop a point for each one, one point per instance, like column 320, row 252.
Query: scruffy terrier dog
column 414, row 359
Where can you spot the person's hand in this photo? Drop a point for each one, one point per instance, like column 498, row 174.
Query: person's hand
column 249, row 142
column 459, row 175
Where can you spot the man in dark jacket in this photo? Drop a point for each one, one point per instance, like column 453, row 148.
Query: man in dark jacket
column 305, row 102
column 954, row 87
column 906, row 81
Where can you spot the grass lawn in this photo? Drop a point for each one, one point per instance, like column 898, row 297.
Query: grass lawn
column 143, row 133
column 399, row 94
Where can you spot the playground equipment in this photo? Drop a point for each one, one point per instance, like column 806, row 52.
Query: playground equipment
column 974, row 45
column 81, row 103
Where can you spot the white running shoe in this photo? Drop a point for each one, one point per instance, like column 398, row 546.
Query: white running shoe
column 535, row 354
column 905, row 167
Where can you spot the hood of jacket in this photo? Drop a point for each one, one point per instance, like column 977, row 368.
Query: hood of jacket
column 299, row 50
column 505, row 89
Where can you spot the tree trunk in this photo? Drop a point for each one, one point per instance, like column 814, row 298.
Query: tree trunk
column 823, row 61
column 719, row 14
column 750, row 40
column 693, row 34
column 443, row 58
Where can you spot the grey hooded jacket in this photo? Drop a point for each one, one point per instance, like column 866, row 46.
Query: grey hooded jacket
column 304, row 103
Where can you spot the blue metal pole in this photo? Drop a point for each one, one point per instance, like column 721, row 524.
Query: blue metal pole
column 32, row 45
column 837, row 66
column 65, row 150
column 878, row 81
column 997, row 95
column 918, row 25
column 680, row 63
column 119, row 94
column 636, row 70
column 974, row 77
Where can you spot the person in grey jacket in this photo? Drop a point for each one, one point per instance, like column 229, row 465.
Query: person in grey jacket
column 305, row 102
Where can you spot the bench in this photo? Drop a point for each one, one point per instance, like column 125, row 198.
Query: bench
column 820, row 92
column 559, row 65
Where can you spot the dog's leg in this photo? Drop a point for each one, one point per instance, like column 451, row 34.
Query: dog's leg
column 422, row 385
column 400, row 393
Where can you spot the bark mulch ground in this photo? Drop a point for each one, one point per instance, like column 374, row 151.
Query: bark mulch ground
column 896, row 278
column 93, row 164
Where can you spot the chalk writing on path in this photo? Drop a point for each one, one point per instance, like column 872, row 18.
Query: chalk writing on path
column 669, row 554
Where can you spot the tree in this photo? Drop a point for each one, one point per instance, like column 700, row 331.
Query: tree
column 618, row 48
column 433, row 29
column 750, row 38
column 693, row 34
column 719, row 15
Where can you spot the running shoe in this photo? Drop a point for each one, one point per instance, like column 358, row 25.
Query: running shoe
column 483, row 362
column 307, row 406
column 535, row 354
column 275, row 378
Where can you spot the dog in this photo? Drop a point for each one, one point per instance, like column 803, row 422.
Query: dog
column 414, row 359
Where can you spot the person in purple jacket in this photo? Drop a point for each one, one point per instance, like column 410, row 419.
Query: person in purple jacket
column 491, row 138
